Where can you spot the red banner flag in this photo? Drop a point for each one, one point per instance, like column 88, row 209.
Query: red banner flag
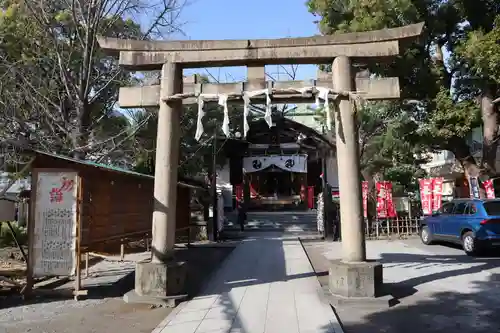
column 489, row 189
column 437, row 193
column 364, row 187
column 310, row 197
column 239, row 192
column 381, row 200
column 391, row 210
column 426, row 195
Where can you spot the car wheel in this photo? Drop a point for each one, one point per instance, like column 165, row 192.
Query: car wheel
column 469, row 243
column 426, row 235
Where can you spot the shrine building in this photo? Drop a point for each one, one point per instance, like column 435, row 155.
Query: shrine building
column 278, row 167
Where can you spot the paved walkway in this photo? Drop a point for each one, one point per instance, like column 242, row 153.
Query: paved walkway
column 266, row 286
column 440, row 289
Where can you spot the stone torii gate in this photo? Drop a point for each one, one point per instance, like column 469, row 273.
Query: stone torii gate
column 157, row 278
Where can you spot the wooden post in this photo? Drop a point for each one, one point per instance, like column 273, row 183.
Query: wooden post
column 79, row 200
column 86, row 264
column 122, row 250
column 31, row 230
column 406, row 226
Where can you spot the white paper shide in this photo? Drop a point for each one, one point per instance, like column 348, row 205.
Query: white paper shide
column 55, row 230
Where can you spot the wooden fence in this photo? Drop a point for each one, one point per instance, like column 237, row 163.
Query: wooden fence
column 400, row 227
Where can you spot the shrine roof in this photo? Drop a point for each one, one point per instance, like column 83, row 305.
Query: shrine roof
column 291, row 125
column 183, row 181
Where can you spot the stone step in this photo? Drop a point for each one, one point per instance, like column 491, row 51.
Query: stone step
column 275, row 221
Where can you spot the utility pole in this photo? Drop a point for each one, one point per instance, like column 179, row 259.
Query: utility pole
column 215, row 213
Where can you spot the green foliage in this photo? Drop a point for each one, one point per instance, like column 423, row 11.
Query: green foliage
column 6, row 238
column 390, row 143
column 195, row 156
column 452, row 118
column 482, row 51
column 442, row 92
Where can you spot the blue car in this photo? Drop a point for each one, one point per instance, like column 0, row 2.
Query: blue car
column 474, row 224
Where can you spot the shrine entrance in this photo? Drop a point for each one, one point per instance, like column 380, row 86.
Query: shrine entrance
column 341, row 93
column 281, row 167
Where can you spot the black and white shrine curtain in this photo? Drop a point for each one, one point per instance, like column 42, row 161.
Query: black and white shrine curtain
column 292, row 163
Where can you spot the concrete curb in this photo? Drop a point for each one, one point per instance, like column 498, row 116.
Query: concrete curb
column 204, row 285
column 337, row 326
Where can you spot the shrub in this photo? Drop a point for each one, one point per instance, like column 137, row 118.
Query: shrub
column 6, row 238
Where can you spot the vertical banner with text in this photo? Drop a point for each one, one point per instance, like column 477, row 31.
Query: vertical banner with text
column 437, row 193
column 391, row 210
column 381, row 200
column 426, row 195
column 364, row 187
column 474, row 188
column 489, row 189
column 239, row 192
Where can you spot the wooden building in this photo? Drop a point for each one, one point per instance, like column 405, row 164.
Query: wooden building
column 117, row 204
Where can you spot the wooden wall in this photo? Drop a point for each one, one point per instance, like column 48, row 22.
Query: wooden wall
column 116, row 205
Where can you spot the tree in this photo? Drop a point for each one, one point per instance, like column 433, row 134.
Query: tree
column 481, row 52
column 58, row 89
column 439, row 93
column 390, row 146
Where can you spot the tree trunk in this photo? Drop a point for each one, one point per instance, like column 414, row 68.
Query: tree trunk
column 489, row 114
column 459, row 147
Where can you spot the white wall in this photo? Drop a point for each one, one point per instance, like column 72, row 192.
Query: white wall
column 7, row 210
column 18, row 186
column 224, row 184
column 438, row 159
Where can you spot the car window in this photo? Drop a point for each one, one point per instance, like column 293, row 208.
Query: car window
column 471, row 209
column 460, row 208
column 447, row 208
column 492, row 207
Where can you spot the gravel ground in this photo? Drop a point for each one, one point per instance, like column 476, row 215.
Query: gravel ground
column 439, row 289
column 105, row 311
column 107, row 315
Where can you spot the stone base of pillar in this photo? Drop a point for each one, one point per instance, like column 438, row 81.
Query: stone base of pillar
column 158, row 283
column 360, row 282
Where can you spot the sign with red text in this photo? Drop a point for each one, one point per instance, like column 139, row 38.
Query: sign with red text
column 364, row 187
column 437, row 193
column 55, row 224
column 426, row 195
column 381, row 200
column 489, row 189
column 391, row 210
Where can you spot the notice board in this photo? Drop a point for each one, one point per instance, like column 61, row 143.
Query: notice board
column 55, row 230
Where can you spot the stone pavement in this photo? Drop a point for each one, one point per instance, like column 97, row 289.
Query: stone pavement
column 439, row 289
column 267, row 285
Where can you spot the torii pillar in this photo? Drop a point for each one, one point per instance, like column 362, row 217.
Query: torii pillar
column 163, row 277
column 353, row 276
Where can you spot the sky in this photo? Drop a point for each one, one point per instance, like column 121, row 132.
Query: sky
column 238, row 19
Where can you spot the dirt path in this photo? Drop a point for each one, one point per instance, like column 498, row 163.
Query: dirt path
column 110, row 315
column 106, row 313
